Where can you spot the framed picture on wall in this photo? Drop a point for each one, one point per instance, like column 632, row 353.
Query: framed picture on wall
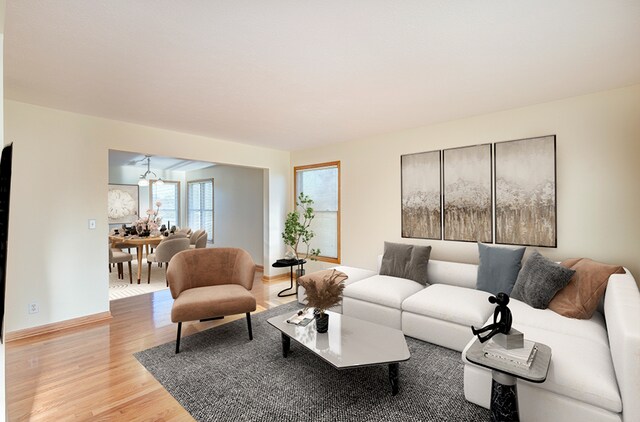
column 122, row 204
column 525, row 186
column 421, row 195
column 468, row 211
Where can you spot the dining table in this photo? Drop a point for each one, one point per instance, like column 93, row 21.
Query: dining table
column 139, row 242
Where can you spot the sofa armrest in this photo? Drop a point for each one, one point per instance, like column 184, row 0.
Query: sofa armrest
column 622, row 314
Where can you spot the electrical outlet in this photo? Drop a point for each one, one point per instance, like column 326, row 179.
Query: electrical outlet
column 92, row 224
column 34, row 308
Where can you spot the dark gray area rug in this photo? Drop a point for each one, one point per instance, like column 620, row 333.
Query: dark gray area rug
column 219, row 375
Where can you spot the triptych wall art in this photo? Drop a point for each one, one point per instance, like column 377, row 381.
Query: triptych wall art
column 452, row 194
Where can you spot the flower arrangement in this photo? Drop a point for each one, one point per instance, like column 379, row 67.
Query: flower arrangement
column 323, row 289
column 151, row 222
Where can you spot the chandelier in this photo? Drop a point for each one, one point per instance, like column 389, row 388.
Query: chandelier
column 145, row 178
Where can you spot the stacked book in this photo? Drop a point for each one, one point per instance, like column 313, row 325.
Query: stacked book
column 301, row 317
column 520, row 357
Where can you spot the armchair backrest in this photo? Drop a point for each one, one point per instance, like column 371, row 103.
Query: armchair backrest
column 210, row 267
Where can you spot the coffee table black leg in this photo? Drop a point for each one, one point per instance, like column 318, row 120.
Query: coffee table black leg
column 286, row 345
column 394, row 379
column 504, row 398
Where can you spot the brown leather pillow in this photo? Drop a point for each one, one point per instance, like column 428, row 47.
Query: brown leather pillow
column 580, row 298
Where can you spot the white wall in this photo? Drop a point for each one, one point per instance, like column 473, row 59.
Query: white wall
column 60, row 181
column 238, row 207
column 598, row 171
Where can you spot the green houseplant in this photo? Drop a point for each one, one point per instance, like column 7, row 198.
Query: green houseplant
column 297, row 230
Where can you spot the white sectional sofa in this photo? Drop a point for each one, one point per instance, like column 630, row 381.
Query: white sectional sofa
column 594, row 373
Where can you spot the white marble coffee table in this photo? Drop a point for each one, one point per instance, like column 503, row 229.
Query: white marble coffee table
column 349, row 343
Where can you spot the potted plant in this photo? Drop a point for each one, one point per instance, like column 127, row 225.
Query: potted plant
column 296, row 228
column 323, row 290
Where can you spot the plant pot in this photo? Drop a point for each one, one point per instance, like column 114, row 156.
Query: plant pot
column 322, row 322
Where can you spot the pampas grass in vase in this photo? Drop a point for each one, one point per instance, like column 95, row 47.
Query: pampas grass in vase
column 322, row 293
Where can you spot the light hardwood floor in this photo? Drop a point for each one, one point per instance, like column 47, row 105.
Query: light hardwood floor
column 89, row 373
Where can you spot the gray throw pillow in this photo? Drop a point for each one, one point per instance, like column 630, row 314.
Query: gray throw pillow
column 540, row 280
column 498, row 268
column 406, row 261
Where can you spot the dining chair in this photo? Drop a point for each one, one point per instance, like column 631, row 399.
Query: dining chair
column 116, row 256
column 165, row 251
column 198, row 239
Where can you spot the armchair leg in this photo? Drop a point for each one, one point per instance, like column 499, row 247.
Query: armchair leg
column 178, row 338
column 149, row 274
column 249, row 325
column 130, row 276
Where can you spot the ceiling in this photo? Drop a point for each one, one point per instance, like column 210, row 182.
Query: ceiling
column 123, row 159
column 293, row 74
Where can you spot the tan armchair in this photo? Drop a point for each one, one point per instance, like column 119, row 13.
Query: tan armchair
column 165, row 251
column 210, row 283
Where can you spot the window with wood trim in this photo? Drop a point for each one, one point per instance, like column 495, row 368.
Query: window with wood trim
column 321, row 182
column 200, row 206
column 169, row 194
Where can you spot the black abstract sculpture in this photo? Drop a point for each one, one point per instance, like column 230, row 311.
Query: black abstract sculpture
column 502, row 318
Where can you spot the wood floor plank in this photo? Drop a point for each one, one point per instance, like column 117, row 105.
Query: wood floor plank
column 88, row 373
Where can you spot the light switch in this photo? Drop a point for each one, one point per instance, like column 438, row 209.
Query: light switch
column 92, row 224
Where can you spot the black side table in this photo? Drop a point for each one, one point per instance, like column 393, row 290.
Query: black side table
column 282, row 263
column 504, row 392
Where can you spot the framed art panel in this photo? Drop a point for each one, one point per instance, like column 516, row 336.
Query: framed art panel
column 468, row 211
column 421, row 199
column 525, row 186
column 122, row 204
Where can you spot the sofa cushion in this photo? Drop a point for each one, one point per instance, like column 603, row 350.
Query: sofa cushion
column 580, row 368
column 582, row 295
column 498, row 268
column 593, row 329
column 451, row 303
column 539, row 280
column 452, row 273
column 405, row 261
column 383, row 290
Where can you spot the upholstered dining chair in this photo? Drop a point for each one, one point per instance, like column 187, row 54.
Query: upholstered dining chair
column 165, row 251
column 210, row 283
column 118, row 257
column 198, row 239
column 185, row 230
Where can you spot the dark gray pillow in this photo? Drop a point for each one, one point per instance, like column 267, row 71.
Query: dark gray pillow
column 406, row 261
column 540, row 280
column 498, row 269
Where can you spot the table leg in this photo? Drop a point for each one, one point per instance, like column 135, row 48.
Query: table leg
column 139, row 256
column 286, row 345
column 394, row 378
column 280, row 294
column 504, row 397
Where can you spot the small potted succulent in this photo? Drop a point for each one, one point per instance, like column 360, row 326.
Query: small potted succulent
column 323, row 290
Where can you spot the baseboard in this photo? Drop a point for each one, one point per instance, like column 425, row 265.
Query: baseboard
column 259, row 268
column 278, row 277
column 56, row 326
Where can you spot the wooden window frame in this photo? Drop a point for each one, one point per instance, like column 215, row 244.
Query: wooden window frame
column 295, row 195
